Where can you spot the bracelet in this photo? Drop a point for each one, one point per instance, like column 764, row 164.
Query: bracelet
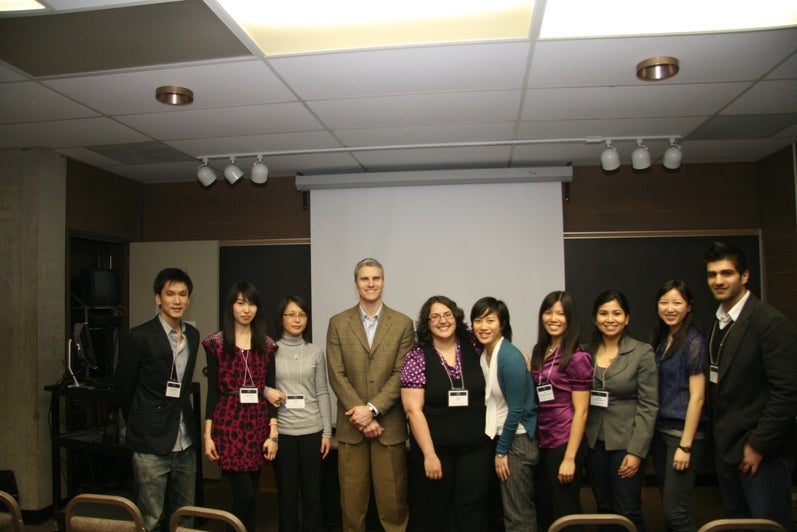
column 275, row 440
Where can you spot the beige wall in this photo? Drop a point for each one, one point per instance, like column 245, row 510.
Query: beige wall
column 200, row 259
column 33, row 310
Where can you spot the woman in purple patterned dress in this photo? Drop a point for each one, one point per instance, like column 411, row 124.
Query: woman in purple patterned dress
column 240, row 427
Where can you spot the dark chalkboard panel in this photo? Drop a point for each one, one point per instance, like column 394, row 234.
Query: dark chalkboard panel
column 639, row 265
column 276, row 271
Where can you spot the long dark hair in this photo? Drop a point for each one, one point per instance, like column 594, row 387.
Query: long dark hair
column 602, row 299
column 302, row 304
column 423, row 335
column 486, row 305
column 246, row 290
column 662, row 330
column 569, row 337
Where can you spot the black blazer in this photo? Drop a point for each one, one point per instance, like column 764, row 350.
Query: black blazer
column 755, row 400
column 144, row 367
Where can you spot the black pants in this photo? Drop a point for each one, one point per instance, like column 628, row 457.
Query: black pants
column 298, row 471
column 555, row 500
column 244, row 486
column 458, row 501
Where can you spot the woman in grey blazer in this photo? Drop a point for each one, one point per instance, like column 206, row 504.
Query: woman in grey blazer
column 622, row 412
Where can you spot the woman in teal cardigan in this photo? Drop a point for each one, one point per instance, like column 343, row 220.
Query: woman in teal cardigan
column 511, row 417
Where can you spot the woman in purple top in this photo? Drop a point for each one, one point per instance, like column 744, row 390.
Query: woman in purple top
column 562, row 376
column 442, row 391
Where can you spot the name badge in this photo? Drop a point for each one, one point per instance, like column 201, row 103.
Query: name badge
column 294, row 402
column 545, row 393
column 173, row 389
column 248, row 394
column 599, row 398
column 713, row 373
column 457, row 398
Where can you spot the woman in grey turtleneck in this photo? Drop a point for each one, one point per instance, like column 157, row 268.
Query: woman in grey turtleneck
column 305, row 419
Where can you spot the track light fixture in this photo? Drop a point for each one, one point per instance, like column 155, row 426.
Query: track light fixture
column 259, row 171
column 205, row 174
column 672, row 156
column 640, row 157
column 610, row 159
column 232, row 173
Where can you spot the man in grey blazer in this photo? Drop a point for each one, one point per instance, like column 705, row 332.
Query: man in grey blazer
column 752, row 394
column 366, row 346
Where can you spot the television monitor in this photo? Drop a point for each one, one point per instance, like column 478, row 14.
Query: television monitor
column 84, row 347
column 100, row 287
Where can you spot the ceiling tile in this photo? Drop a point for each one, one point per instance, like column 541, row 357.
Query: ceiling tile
column 214, row 85
column 419, row 109
column 405, row 70
column 224, row 122
column 76, row 133
column 778, row 96
column 628, row 102
column 426, row 134
column 256, row 143
column 743, row 126
column 30, row 102
column 108, row 39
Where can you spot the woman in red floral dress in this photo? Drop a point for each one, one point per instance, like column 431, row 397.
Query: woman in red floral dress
column 240, row 426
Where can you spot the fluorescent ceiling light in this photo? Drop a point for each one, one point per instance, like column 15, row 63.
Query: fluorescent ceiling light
column 19, row 5
column 301, row 26
column 576, row 18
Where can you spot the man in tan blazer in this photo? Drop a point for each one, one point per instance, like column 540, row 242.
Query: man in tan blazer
column 366, row 346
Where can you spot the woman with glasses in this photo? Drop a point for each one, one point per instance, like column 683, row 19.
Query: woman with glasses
column 442, row 391
column 240, row 429
column 305, row 419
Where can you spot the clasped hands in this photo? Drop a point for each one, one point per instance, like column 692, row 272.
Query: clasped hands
column 362, row 418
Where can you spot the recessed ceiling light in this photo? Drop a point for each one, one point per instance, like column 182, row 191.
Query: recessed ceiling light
column 302, row 26
column 657, row 68
column 174, row 95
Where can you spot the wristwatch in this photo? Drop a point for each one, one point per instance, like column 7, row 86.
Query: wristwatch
column 685, row 449
column 500, row 456
column 373, row 410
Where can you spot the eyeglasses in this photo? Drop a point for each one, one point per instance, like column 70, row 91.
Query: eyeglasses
column 294, row 316
column 434, row 318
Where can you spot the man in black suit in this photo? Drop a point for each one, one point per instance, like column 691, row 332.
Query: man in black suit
column 752, row 393
column 153, row 382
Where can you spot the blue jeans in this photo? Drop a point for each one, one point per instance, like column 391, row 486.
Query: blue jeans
column 164, row 483
column 766, row 495
column 614, row 494
column 676, row 486
column 517, row 492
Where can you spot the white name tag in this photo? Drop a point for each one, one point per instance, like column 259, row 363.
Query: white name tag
column 545, row 393
column 173, row 389
column 295, row 402
column 248, row 395
column 713, row 373
column 457, row 398
column 599, row 398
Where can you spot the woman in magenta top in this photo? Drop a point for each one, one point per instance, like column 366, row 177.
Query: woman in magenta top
column 562, row 375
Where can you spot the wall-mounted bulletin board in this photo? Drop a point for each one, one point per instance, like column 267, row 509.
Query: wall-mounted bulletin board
column 639, row 263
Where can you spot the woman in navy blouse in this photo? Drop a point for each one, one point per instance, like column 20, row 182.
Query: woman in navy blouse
column 681, row 423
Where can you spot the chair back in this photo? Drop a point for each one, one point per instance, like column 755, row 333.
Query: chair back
column 213, row 514
column 13, row 519
column 741, row 524
column 592, row 519
column 97, row 519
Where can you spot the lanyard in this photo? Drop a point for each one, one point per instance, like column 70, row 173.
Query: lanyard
column 550, row 368
column 716, row 360
column 457, row 365
column 245, row 357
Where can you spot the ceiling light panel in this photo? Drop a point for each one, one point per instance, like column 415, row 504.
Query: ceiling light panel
column 303, row 26
column 631, row 17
